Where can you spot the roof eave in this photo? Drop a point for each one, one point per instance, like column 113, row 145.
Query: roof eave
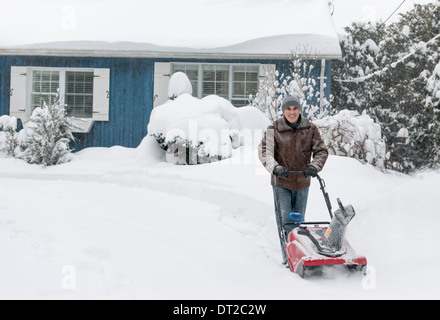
column 154, row 54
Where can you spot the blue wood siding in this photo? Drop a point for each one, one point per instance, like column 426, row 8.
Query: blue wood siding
column 131, row 93
column 4, row 87
column 131, row 96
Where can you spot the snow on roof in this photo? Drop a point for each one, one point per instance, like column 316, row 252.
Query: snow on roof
column 281, row 46
column 321, row 45
column 289, row 25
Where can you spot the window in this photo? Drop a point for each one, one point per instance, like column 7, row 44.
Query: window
column 402, row 137
column 192, row 71
column 216, row 80
column 75, row 88
column 45, row 85
column 234, row 82
column 79, row 94
column 84, row 91
column 245, row 83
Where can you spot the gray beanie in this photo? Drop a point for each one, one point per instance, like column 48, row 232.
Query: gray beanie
column 291, row 101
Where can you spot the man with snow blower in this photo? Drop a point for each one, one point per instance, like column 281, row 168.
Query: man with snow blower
column 288, row 145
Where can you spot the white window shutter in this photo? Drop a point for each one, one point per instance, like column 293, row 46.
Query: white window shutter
column 267, row 72
column 101, row 94
column 18, row 93
column 162, row 75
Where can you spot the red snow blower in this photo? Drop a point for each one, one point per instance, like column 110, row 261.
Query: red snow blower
column 314, row 249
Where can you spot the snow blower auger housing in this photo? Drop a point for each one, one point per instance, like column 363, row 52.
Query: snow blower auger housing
column 312, row 248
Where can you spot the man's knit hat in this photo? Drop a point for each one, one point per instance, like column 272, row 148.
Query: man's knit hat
column 290, row 101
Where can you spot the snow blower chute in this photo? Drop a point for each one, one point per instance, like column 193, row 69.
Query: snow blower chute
column 312, row 248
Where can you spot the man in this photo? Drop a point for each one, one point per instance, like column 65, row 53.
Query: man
column 288, row 145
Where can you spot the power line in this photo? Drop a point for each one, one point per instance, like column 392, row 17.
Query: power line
column 393, row 12
column 393, row 65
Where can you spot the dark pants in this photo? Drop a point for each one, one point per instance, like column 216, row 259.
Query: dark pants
column 288, row 201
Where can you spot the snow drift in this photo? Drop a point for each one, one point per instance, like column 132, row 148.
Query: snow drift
column 109, row 226
column 195, row 131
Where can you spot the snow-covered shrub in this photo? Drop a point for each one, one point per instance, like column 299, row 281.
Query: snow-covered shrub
column 304, row 85
column 267, row 99
column 8, row 137
column 195, row 131
column 300, row 82
column 356, row 136
column 179, row 84
column 45, row 137
column 433, row 87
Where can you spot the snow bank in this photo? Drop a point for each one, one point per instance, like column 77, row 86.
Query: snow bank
column 204, row 130
column 214, row 220
column 352, row 135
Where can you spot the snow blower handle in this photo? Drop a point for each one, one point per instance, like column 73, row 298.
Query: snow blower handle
column 324, row 192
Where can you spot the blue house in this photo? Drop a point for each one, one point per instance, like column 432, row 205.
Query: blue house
column 111, row 88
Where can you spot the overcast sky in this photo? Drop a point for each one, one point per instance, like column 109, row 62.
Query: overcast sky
column 196, row 23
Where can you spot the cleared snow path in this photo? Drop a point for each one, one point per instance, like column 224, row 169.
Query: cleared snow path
column 124, row 229
column 120, row 243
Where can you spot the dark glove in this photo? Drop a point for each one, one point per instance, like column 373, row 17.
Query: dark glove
column 281, row 171
column 310, row 171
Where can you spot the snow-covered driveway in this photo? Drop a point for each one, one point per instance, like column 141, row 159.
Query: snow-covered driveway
column 110, row 225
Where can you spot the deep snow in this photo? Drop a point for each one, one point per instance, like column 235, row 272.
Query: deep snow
column 118, row 223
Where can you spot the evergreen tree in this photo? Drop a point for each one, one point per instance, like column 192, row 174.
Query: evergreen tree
column 391, row 73
column 47, row 136
column 8, row 135
column 360, row 58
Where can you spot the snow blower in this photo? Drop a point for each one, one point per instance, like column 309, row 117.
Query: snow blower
column 313, row 248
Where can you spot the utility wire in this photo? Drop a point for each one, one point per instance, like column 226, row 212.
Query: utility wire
column 393, row 65
column 393, row 13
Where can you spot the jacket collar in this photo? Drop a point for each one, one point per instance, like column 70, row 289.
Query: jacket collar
column 282, row 125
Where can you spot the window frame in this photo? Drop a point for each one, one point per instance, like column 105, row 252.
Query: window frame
column 86, row 107
column 20, row 100
column 231, row 81
column 216, row 69
column 31, row 91
column 244, row 98
column 62, row 84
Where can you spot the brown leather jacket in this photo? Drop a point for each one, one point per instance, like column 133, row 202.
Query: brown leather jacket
column 293, row 150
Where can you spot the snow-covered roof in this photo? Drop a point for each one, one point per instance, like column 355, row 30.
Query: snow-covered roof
column 275, row 47
column 277, row 27
column 314, row 44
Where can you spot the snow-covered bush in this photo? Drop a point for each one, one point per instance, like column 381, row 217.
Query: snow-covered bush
column 179, row 84
column 45, row 137
column 194, row 131
column 8, row 137
column 267, row 99
column 356, row 136
column 300, row 83
column 197, row 131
